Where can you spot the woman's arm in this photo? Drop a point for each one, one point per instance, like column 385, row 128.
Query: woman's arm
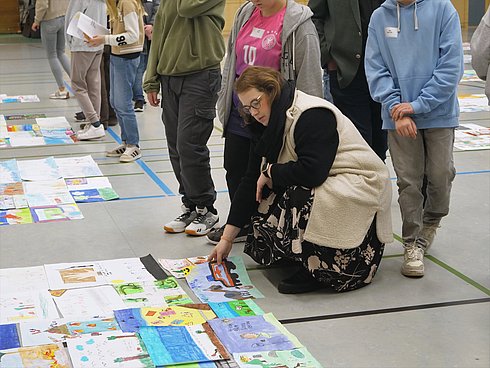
column 316, row 141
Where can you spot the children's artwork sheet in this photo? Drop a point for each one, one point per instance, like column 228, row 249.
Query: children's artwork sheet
column 175, row 345
column 255, row 333
column 62, row 212
column 47, row 193
column 469, row 137
column 58, row 136
column 9, row 172
column 236, row 308
column 130, row 320
column 41, row 169
column 59, row 330
column 74, row 275
column 123, row 270
column 9, row 336
column 12, row 196
column 222, row 283
column 152, row 293
column 95, row 189
column 76, row 167
column 473, row 103
column 22, row 279
column 284, row 359
column 89, row 302
column 179, row 268
column 469, row 75
column 109, row 349
column 23, row 116
column 59, row 122
column 27, row 305
column 44, row 356
column 25, row 139
column 21, row 99
column 16, row 217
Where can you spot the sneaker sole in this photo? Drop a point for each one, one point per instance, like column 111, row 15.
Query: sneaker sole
column 172, row 230
column 129, row 159
column 412, row 273
column 88, row 139
column 195, row 233
column 138, row 110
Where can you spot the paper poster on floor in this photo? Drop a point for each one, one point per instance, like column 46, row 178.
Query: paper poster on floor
column 58, row 122
column 473, row 103
column 175, row 345
column 152, row 293
column 9, row 336
column 40, row 169
column 12, row 196
column 74, row 275
column 28, row 305
column 255, row 333
column 9, row 172
column 179, row 268
column 123, row 270
column 25, row 139
column 236, row 308
column 131, row 320
column 23, row 279
column 16, row 217
column 96, row 189
column 24, row 116
column 109, row 349
column 470, row 137
column 222, row 283
column 62, row 212
column 47, row 193
column 18, row 99
column 88, row 302
column 77, row 167
column 284, row 359
column 44, row 356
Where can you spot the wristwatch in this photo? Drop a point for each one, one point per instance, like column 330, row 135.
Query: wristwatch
column 265, row 169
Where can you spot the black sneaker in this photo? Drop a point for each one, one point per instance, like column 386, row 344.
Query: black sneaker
column 80, row 116
column 301, row 282
column 214, row 236
column 139, row 106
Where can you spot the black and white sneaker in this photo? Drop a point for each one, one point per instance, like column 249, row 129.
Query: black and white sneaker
column 139, row 106
column 179, row 224
column 214, row 236
column 204, row 222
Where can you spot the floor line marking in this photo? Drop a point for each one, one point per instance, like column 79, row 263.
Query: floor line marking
column 145, row 168
column 407, row 308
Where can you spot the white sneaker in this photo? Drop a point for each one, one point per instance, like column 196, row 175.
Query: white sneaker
column 203, row 223
column 181, row 222
column 60, row 95
column 131, row 153
column 413, row 264
column 90, row 132
column 116, row 152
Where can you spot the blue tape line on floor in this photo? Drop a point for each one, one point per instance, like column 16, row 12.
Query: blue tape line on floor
column 145, row 168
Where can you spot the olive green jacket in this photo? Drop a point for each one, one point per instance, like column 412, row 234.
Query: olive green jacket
column 338, row 23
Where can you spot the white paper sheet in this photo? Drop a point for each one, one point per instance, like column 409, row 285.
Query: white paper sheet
column 41, row 169
column 23, row 279
column 74, row 275
column 26, row 306
column 58, row 122
column 47, row 193
column 77, row 167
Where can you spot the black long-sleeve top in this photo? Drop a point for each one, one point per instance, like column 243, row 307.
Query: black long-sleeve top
column 316, row 139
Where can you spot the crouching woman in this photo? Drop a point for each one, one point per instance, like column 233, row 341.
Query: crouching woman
column 314, row 193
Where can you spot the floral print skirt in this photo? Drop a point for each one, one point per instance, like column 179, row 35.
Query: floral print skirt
column 277, row 233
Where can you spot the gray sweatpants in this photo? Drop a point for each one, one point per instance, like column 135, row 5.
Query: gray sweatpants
column 53, row 39
column 85, row 81
column 188, row 104
column 430, row 154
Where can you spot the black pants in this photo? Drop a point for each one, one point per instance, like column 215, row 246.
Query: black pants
column 235, row 161
column 356, row 103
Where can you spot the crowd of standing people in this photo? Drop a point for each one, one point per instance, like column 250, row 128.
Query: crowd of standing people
column 304, row 160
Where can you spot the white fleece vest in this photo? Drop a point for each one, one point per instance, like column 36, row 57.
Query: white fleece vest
column 357, row 187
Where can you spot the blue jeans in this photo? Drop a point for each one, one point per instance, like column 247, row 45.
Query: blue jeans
column 122, row 75
column 138, row 82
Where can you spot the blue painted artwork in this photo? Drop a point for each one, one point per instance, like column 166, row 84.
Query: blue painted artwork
column 9, row 337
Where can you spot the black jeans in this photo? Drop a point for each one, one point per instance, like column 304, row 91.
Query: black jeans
column 356, row 103
column 235, row 161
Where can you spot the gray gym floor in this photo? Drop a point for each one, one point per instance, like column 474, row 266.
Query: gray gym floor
column 440, row 320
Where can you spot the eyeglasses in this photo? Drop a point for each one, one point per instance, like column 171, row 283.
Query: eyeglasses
column 254, row 104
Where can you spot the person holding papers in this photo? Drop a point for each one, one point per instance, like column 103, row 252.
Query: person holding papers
column 85, row 67
column 320, row 198
column 126, row 40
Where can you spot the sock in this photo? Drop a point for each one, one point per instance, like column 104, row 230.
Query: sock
column 96, row 124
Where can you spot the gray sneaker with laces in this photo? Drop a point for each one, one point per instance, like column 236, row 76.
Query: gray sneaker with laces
column 204, row 222
column 427, row 234
column 214, row 236
column 179, row 224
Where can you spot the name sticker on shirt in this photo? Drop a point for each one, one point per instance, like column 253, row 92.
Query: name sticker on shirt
column 391, row 32
column 257, row 33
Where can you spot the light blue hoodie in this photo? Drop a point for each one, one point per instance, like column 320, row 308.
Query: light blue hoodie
column 414, row 54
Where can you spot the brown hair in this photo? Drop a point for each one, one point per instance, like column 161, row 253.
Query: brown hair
column 264, row 79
